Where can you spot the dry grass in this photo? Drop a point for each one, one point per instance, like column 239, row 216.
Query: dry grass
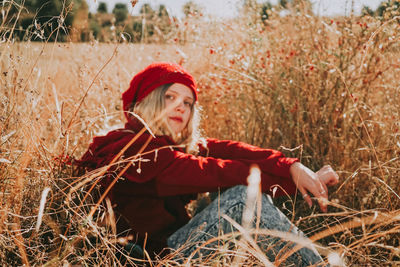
column 327, row 91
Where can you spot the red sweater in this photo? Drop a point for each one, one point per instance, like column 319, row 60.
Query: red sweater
column 152, row 200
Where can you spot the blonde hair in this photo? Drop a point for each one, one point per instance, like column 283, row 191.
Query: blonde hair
column 151, row 109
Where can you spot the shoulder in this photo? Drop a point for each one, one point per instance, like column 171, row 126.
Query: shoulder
column 114, row 137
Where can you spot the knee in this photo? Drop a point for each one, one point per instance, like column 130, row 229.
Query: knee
column 234, row 200
column 238, row 190
column 237, row 196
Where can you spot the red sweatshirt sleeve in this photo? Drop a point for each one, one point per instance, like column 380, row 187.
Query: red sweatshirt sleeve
column 185, row 172
column 270, row 161
column 176, row 172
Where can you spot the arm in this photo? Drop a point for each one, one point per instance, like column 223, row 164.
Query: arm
column 270, row 161
column 274, row 163
column 176, row 173
column 227, row 149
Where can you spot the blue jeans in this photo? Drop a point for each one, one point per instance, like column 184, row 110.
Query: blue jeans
column 207, row 225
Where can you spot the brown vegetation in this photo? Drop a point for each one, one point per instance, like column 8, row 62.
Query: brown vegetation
column 321, row 89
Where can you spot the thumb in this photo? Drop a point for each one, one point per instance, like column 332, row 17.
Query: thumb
column 327, row 175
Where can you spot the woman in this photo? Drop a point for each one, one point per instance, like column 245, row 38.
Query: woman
column 168, row 164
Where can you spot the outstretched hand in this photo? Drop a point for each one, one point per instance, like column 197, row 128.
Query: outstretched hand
column 315, row 183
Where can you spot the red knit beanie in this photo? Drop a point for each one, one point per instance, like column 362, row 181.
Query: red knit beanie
column 153, row 76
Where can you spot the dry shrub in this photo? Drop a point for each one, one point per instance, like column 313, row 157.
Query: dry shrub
column 324, row 90
column 328, row 86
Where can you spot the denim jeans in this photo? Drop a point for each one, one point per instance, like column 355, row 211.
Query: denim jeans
column 208, row 224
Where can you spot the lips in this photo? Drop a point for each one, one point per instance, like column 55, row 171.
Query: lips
column 177, row 119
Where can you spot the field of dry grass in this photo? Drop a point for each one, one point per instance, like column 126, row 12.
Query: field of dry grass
column 324, row 90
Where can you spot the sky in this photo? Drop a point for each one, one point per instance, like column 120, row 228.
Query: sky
column 228, row 8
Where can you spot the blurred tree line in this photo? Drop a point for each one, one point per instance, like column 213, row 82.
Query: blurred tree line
column 151, row 25
column 41, row 20
column 386, row 10
column 70, row 20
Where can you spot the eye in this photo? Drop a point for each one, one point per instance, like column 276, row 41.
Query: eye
column 169, row 97
column 188, row 104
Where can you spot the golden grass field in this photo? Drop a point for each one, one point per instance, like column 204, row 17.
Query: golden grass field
column 324, row 90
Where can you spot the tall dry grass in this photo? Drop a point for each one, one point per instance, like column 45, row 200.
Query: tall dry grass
column 325, row 90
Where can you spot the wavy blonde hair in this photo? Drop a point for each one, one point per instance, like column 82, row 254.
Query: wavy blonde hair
column 151, row 109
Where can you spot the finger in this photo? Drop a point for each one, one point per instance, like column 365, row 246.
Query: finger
column 322, row 190
column 325, row 188
column 321, row 194
column 334, row 179
column 323, row 204
column 332, row 176
column 327, row 175
column 322, row 201
column 306, row 196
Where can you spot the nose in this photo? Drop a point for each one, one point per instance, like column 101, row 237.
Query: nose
column 180, row 107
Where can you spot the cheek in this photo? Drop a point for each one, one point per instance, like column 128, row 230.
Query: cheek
column 187, row 115
column 168, row 102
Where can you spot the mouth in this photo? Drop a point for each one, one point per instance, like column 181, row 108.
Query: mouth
column 176, row 119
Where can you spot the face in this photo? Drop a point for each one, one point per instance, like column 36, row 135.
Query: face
column 179, row 101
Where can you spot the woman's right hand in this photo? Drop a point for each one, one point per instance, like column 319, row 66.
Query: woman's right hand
column 316, row 184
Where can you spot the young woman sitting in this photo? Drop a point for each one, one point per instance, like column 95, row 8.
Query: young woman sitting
column 165, row 163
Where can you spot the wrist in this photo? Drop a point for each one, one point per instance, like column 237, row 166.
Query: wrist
column 294, row 168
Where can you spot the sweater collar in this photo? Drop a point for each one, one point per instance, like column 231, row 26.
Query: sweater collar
column 135, row 125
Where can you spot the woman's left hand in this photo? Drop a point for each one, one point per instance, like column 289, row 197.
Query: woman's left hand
column 316, row 184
